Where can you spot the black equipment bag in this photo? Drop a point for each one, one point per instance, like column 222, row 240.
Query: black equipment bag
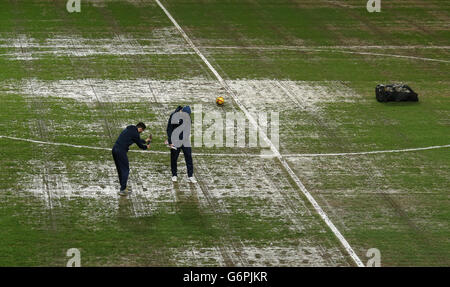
column 395, row 93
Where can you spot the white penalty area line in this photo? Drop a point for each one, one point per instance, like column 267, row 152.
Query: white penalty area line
column 274, row 150
column 236, row 154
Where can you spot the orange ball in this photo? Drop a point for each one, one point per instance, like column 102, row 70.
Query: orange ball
column 220, row 101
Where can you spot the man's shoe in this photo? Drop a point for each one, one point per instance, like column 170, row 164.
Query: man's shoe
column 124, row 192
column 192, row 179
column 174, row 178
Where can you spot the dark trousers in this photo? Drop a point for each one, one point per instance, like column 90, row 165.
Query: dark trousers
column 187, row 151
column 122, row 165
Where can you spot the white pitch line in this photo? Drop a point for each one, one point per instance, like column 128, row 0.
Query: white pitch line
column 238, row 154
column 138, row 151
column 74, row 146
column 388, row 55
column 337, row 49
column 366, row 152
column 275, row 151
column 368, row 47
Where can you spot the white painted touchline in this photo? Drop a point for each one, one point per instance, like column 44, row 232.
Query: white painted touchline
column 275, row 151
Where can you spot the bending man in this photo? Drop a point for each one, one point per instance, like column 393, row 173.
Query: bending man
column 120, row 149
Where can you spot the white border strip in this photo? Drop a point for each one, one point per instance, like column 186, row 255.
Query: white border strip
column 275, row 151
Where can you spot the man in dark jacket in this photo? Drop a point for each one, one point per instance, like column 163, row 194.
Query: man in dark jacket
column 128, row 136
column 175, row 150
